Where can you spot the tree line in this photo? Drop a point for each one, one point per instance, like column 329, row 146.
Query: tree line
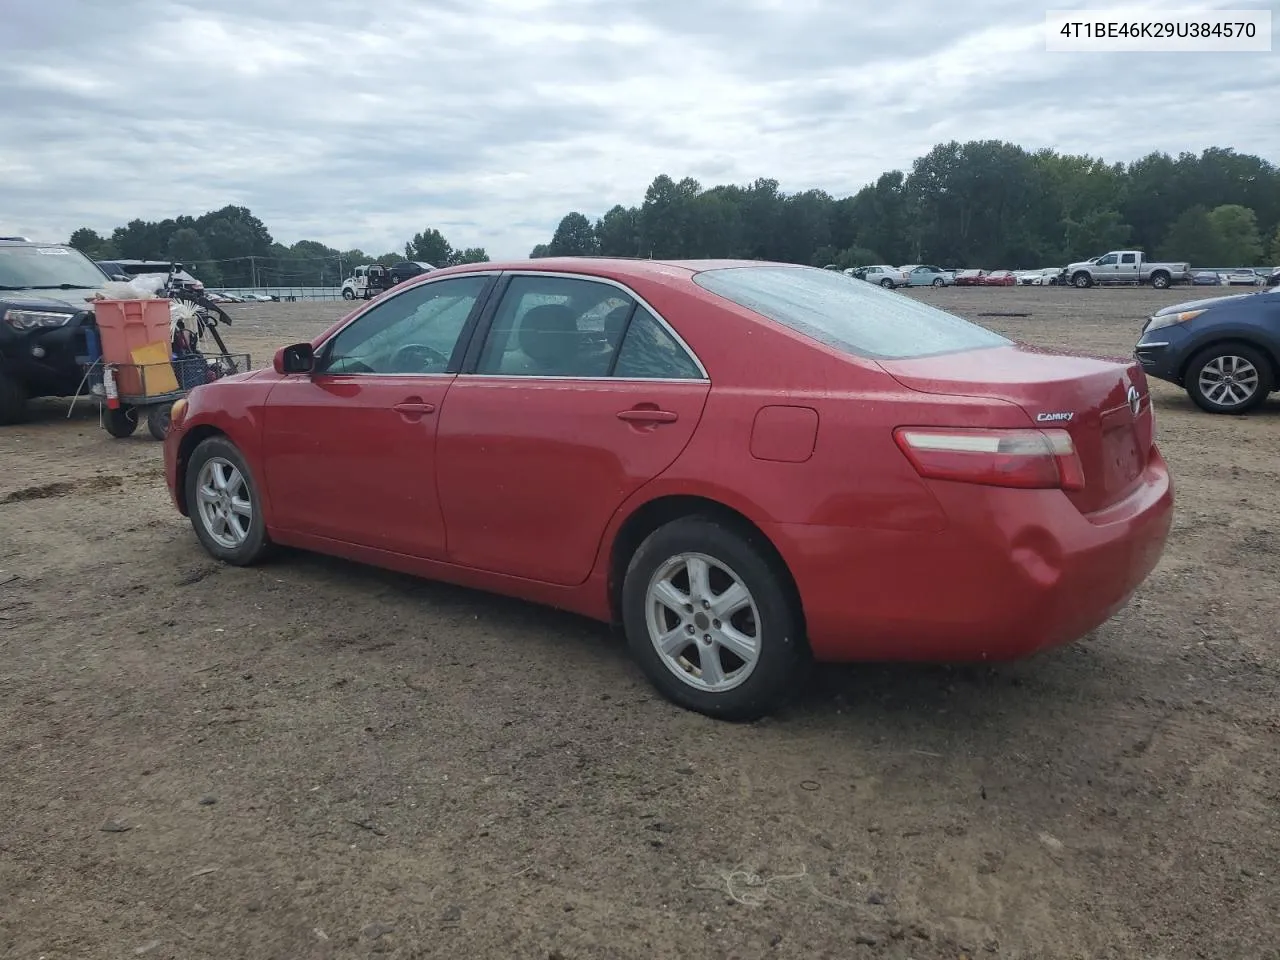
column 983, row 203
column 233, row 248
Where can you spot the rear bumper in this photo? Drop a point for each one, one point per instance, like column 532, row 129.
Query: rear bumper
column 1024, row 571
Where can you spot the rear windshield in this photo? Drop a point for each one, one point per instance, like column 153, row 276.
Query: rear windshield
column 848, row 314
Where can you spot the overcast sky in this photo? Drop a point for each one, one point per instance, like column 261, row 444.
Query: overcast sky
column 358, row 124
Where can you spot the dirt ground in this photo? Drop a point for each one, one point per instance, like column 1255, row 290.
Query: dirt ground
column 314, row 759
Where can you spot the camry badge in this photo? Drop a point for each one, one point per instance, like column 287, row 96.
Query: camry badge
column 1064, row 417
column 1135, row 401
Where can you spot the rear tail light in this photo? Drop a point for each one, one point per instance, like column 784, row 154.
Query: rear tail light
column 1030, row 459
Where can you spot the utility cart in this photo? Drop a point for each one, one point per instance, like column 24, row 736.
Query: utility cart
column 133, row 391
column 144, row 355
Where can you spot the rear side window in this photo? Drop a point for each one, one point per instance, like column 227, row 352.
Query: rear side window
column 649, row 352
column 850, row 315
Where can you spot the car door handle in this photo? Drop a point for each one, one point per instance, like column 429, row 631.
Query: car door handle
column 648, row 415
column 414, row 407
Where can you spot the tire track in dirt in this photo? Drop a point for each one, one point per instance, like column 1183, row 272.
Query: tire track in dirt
column 99, row 483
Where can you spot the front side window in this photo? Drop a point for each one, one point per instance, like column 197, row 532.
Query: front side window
column 415, row 332
column 856, row 318
column 1107, row 261
column 556, row 327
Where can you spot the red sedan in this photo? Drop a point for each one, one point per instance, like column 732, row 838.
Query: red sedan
column 998, row 278
column 745, row 465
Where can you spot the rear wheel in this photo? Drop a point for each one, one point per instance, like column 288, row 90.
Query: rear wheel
column 939, row 282
column 1160, row 280
column 887, row 283
column 13, row 401
column 120, row 422
column 1229, row 378
column 711, row 620
column 223, row 501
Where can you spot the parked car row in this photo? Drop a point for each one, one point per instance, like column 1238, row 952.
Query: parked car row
column 1116, row 267
column 1236, row 277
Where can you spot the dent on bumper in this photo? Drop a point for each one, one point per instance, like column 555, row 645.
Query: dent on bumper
column 1038, row 575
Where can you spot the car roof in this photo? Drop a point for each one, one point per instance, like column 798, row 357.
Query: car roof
column 617, row 268
column 20, row 242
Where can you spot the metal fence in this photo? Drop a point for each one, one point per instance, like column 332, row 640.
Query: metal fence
column 286, row 293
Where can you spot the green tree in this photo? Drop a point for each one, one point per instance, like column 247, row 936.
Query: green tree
column 1274, row 256
column 574, row 237
column 92, row 245
column 616, row 232
column 540, row 251
column 1095, row 233
column 1235, row 231
column 469, row 255
column 429, row 246
column 1191, row 238
column 188, row 248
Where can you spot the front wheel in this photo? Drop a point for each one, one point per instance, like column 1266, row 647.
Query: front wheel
column 348, row 294
column 224, row 504
column 711, row 620
column 13, row 401
column 1228, row 378
column 1082, row 281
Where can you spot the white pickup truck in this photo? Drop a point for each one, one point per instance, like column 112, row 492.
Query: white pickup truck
column 1125, row 266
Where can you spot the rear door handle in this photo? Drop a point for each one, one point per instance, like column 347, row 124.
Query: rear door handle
column 414, row 407
column 648, row 415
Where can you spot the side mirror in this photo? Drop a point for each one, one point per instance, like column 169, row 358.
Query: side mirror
column 299, row 358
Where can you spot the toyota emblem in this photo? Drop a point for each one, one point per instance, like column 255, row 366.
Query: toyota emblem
column 1135, row 401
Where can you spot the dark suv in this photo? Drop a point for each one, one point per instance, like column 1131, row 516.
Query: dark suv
column 43, row 313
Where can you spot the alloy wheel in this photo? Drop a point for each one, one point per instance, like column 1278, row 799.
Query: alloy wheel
column 703, row 622
column 1228, row 380
column 224, row 504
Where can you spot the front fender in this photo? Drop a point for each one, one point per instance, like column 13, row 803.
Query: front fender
column 234, row 410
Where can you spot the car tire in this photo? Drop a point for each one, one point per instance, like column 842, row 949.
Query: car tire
column 1160, row 281
column 887, row 283
column 769, row 619
column 158, row 418
column 218, row 465
column 120, row 422
column 348, row 294
column 13, row 401
column 939, row 282
column 1082, row 281
column 1233, row 360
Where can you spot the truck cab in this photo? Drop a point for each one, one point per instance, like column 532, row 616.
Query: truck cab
column 354, row 287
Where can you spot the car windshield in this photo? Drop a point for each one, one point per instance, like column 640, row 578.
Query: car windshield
column 856, row 317
column 47, row 268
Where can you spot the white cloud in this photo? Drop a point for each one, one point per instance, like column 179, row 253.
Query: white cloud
column 491, row 119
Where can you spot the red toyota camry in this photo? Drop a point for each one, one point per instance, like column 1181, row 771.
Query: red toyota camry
column 745, row 465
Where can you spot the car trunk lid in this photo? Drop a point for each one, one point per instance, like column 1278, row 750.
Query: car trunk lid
column 1102, row 403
